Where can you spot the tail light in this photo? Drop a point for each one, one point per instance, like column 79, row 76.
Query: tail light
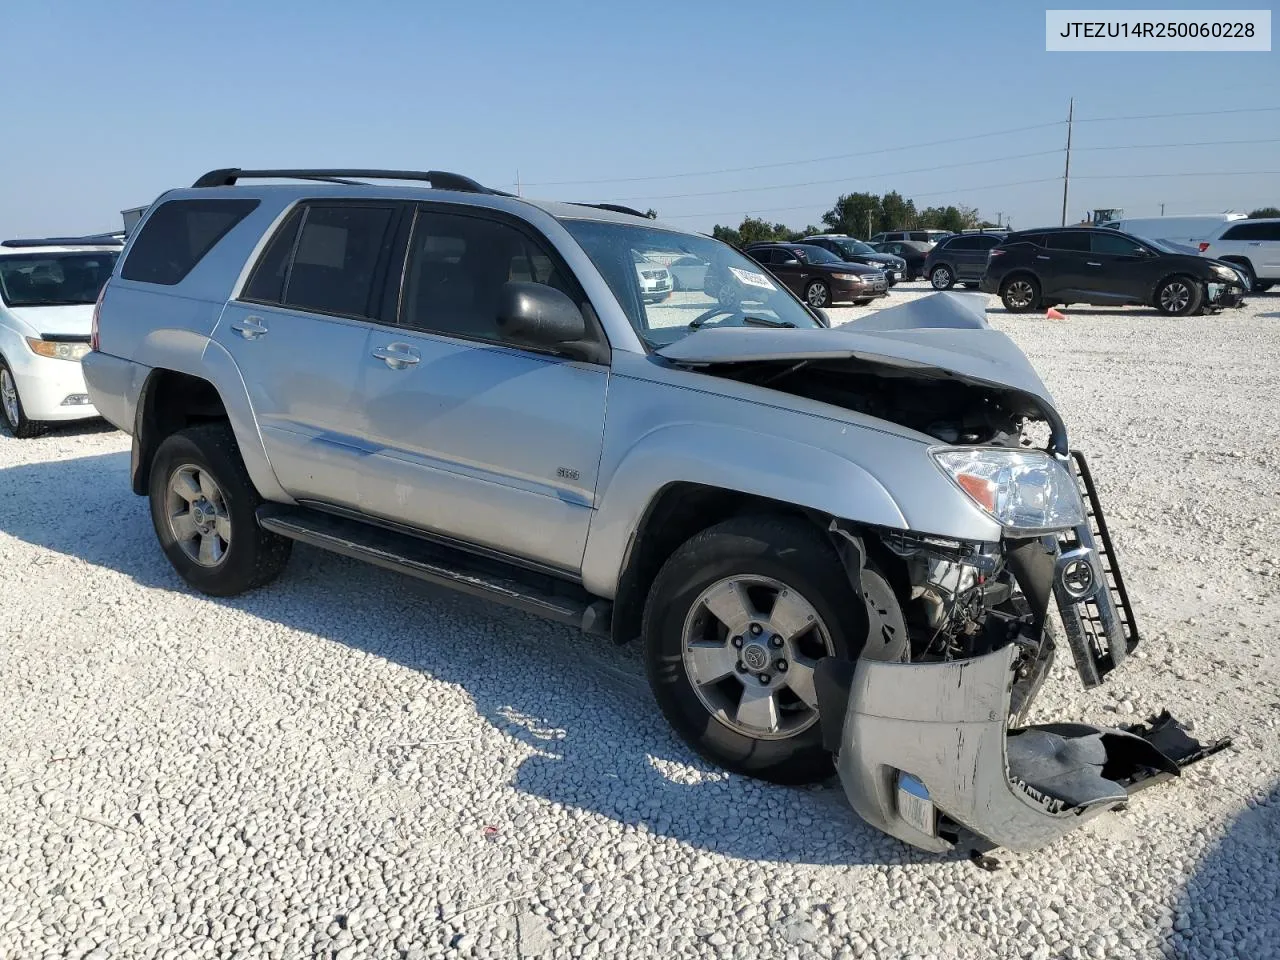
column 1204, row 245
column 97, row 309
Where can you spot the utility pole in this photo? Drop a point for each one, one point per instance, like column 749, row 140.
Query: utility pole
column 517, row 181
column 1162, row 209
column 1066, row 173
column 999, row 214
column 868, row 223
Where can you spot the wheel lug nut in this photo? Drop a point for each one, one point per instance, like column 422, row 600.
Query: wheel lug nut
column 742, row 667
column 775, row 641
column 763, row 678
column 756, row 630
column 737, row 641
column 781, row 666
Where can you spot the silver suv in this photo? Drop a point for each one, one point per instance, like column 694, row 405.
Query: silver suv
column 830, row 541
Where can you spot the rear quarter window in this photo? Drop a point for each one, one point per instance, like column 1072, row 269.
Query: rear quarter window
column 178, row 234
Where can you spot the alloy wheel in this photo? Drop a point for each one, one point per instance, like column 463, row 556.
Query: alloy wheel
column 817, row 295
column 9, row 397
column 1019, row 294
column 1175, row 296
column 198, row 517
column 750, row 646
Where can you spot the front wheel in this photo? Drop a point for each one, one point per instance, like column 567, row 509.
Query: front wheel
column 15, row 418
column 942, row 278
column 1179, row 297
column 818, row 294
column 204, row 508
column 734, row 625
column 1020, row 294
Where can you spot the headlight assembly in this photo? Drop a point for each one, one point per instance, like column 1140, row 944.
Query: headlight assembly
column 848, row 276
column 58, row 349
column 1027, row 492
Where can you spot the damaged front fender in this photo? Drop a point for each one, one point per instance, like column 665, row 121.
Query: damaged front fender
column 922, row 748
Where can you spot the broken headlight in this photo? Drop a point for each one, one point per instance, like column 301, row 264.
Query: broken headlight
column 1028, row 492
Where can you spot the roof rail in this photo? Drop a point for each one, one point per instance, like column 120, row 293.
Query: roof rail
column 615, row 207
column 92, row 240
column 439, row 179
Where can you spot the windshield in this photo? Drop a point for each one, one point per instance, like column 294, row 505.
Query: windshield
column 855, row 247
column 54, row 279
column 814, row 254
column 720, row 287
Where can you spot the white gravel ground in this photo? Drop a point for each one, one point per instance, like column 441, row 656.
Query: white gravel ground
column 353, row 764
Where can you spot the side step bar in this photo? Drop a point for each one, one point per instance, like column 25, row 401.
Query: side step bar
column 535, row 593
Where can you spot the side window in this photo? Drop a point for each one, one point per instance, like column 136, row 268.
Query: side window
column 987, row 242
column 1253, row 231
column 961, row 243
column 764, row 256
column 1268, row 231
column 1035, row 239
column 178, row 234
column 912, row 236
column 335, row 259
column 266, row 283
column 1115, row 244
column 456, row 268
column 1078, row 242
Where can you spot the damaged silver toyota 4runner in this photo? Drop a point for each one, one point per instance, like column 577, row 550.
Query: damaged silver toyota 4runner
column 833, row 542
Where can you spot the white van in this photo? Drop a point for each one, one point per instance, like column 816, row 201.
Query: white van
column 1185, row 230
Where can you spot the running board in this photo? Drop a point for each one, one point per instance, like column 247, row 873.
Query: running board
column 535, row 593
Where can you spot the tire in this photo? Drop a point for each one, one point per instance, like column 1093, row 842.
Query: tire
column 1179, row 297
column 942, row 277
column 969, row 286
column 1262, row 286
column 771, row 557
column 818, row 294
column 861, row 303
column 675, row 284
column 1020, row 293
column 14, row 416
column 235, row 554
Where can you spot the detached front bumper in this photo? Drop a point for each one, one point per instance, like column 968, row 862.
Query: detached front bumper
column 924, row 749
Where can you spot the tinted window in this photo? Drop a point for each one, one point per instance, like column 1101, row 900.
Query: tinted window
column 177, row 234
column 1068, row 241
column 335, row 259
column 54, row 279
column 816, row 255
column 266, row 285
column 457, row 266
column 1116, row 244
column 915, row 236
column 1253, row 231
column 1038, row 239
column 761, row 256
column 961, row 243
column 987, row 242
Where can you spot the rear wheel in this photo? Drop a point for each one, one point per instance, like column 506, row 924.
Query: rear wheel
column 1019, row 294
column 15, row 418
column 942, row 278
column 204, row 509
column 734, row 625
column 1179, row 297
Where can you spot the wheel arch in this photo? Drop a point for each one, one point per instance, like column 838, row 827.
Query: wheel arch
column 172, row 398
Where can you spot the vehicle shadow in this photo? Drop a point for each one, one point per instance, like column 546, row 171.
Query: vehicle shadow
column 1228, row 906
column 594, row 738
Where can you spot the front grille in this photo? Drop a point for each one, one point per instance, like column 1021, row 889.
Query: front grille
column 651, row 274
column 1101, row 629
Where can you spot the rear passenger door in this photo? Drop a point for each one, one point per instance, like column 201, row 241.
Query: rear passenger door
column 473, row 437
column 298, row 333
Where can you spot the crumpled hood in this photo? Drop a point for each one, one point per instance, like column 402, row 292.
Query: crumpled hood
column 70, row 320
column 945, row 334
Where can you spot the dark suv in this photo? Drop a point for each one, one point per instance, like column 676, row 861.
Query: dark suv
column 960, row 258
column 819, row 275
column 1033, row 269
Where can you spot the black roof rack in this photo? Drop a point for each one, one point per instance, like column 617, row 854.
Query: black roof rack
column 615, row 207
column 439, row 179
column 93, row 240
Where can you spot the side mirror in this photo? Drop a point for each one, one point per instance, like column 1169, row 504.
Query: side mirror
column 537, row 314
column 823, row 317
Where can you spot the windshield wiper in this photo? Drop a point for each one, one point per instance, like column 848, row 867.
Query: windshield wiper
column 764, row 322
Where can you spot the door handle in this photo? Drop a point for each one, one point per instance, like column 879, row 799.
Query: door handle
column 1092, row 263
column 251, row 328
column 397, row 356
column 1041, row 256
column 1255, row 243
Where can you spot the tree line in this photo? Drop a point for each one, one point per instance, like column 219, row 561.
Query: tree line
column 859, row 215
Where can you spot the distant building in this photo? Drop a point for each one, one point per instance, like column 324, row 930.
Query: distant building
column 131, row 217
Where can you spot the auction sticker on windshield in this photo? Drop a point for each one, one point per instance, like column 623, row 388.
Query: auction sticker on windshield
column 752, row 279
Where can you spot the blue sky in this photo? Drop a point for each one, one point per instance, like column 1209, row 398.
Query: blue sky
column 110, row 104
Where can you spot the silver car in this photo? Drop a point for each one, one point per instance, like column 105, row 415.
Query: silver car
column 834, row 544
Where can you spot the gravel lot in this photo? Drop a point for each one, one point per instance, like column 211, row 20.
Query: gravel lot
column 353, row 764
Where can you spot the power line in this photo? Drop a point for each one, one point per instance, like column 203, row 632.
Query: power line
column 810, row 206
column 844, row 179
column 1196, row 143
column 1197, row 173
column 792, row 163
column 1165, row 116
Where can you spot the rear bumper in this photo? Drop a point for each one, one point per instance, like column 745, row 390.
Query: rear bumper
column 988, row 284
column 113, row 385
